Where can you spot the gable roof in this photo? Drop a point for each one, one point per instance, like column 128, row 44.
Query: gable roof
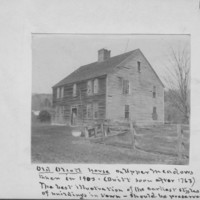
column 94, row 69
column 97, row 69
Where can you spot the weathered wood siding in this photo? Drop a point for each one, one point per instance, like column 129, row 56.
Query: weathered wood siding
column 140, row 99
column 81, row 100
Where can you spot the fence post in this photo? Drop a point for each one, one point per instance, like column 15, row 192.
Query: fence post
column 132, row 131
column 179, row 140
column 102, row 131
column 106, row 130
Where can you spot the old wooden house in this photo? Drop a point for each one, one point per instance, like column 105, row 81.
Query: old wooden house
column 123, row 87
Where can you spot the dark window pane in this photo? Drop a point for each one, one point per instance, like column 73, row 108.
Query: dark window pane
column 139, row 69
column 126, row 111
column 154, row 91
column 154, row 114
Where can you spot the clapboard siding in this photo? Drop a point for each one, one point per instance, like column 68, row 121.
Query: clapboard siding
column 81, row 100
column 140, row 99
column 110, row 99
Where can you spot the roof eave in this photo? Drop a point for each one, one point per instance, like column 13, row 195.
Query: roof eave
column 60, row 85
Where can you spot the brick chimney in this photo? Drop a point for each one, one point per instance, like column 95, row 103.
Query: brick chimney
column 103, row 54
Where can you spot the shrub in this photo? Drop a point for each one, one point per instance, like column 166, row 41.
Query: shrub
column 44, row 116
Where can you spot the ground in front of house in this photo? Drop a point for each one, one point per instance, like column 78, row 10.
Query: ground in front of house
column 55, row 144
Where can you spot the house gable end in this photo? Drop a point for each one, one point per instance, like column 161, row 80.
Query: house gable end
column 152, row 69
column 125, row 64
column 135, row 85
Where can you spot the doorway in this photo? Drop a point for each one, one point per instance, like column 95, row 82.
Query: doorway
column 74, row 114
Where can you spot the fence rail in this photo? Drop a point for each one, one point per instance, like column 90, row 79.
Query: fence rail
column 175, row 142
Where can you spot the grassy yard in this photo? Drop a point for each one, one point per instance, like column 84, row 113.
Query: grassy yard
column 55, row 144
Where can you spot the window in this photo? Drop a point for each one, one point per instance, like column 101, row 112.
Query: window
column 96, row 86
column 89, row 111
column 126, row 87
column 57, row 111
column 154, row 91
column 58, row 93
column 139, row 68
column 126, row 111
column 63, row 110
column 74, row 90
column 89, row 87
column 62, row 92
column 60, row 111
column 95, row 110
column 154, row 114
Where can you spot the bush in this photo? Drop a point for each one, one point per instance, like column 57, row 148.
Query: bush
column 44, row 116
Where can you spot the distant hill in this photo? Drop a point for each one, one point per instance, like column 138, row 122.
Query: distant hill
column 41, row 101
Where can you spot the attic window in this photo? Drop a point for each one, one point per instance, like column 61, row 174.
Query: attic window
column 138, row 65
column 154, row 91
column 74, row 90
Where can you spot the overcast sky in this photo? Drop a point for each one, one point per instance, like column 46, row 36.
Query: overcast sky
column 55, row 56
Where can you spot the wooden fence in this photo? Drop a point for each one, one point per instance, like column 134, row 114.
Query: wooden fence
column 170, row 139
column 183, row 133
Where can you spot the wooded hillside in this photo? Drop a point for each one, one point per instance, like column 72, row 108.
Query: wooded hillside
column 41, row 101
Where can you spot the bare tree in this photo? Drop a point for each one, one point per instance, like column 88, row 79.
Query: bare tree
column 177, row 80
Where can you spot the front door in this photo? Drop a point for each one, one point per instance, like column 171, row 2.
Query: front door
column 74, row 116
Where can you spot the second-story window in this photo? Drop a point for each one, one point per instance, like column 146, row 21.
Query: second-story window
column 96, row 86
column 126, row 87
column 154, row 91
column 89, row 87
column 62, row 92
column 74, row 90
column 58, row 93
